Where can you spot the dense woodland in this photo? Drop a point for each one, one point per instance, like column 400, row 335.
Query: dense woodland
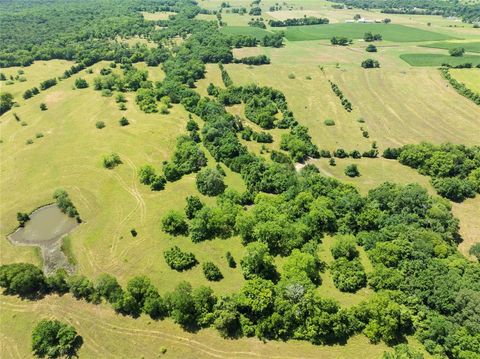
column 423, row 286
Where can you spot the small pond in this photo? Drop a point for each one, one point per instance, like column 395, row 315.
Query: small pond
column 45, row 229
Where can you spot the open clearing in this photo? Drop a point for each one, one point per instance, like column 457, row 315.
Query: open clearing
column 389, row 32
column 245, row 30
column 154, row 16
column 470, row 77
column 439, row 59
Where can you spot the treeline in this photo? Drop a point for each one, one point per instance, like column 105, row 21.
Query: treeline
column 347, row 105
column 460, row 87
column 310, row 20
column 468, row 12
column 253, row 60
column 454, row 169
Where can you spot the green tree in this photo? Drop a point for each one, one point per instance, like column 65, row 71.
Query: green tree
column 194, row 204
column 54, row 339
column 111, row 161
column 456, row 51
column 6, row 102
column 344, row 246
column 257, row 262
column 23, row 279
column 210, row 182
column 174, row 223
column 81, row 83
column 211, row 272
column 352, row 170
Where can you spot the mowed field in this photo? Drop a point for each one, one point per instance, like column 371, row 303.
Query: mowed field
column 389, row 32
column 245, row 30
column 470, row 77
column 471, row 46
column 439, row 59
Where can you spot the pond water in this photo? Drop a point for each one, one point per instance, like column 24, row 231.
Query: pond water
column 45, row 229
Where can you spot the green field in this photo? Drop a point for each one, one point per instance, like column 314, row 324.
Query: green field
column 245, row 30
column 438, row 59
column 390, row 32
column 468, row 46
column 470, row 77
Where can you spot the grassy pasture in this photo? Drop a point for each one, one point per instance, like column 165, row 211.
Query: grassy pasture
column 470, row 77
column 154, row 16
column 111, row 202
column 468, row 46
column 390, row 32
column 245, row 30
column 438, row 59
column 37, row 72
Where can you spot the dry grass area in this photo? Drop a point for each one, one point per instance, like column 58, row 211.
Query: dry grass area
column 160, row 15
column 469, row 77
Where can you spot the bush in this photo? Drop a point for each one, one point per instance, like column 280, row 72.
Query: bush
column 81, row 83
column 123, row 122
column 370, row 64
column 329, row 122
column 22, row 218
column 174, row 223
column 454, row 188
column 111, row 161
column 348, row 276
column 210, row 182
column 179, row 260
column 212, row 272
column 344, row 247
column 352, row 171
column 456, row 51
column 230, row 260
column 54, row 339
column 100, row 124
column 193, row 206
column 65, row 204
column 371, row 48
column 43, row 106
column 23, row 279
column 171, row 172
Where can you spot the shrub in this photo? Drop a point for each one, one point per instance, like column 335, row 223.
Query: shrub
column 29, row 141
column 171, row 172
column 43, row 106
column 291, row 76
column 174, row 223
column 193, row 206
column 146, row 174
column 211, row 272
column 329, row 122
column 23, row 279
column 100, row 124
column 332, row 162
column 371, row 48
column 352, row 171
column 81, row 83
column 120, row 98
column 179, row 260
column 370, row 64
column 123, row 122
column 456, row 51
column 344, row 247
column 111, row 161
column 230, row 260
column 348, row 276
column 210, row 182
column 65, row 204
column 38, row 135
column 54, row 339
column 22, row 218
